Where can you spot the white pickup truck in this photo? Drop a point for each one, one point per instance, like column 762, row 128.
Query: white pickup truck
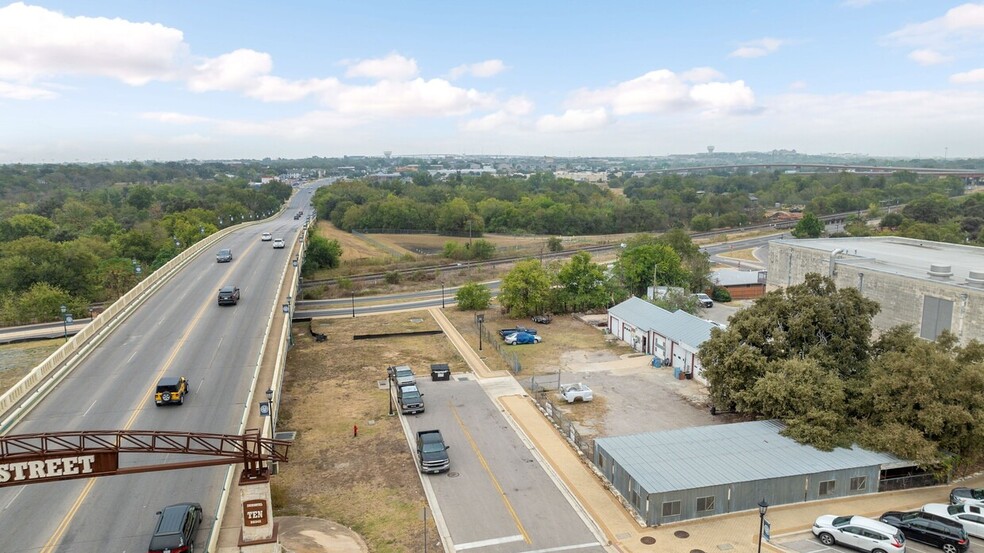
column 576, row 392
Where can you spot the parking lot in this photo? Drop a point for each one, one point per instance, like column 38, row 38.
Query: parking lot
column 806, row 542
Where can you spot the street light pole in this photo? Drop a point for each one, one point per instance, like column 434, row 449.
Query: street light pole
column 273, row 421
column 442, row 296
column 763, row 507
column 64, row 312
column 481, row 319
column 353, row 305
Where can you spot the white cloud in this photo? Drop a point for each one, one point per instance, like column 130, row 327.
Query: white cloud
column 487, row 68
column 37, row 42
column 511, row 115
column 664, row 91
column 962, row 23
column 24, row 92
column 417, row 98
column 574, row 120
column 174, row 118
column 926, row 56
column 719, row 98
column 392, row 67
column 967, row 77
column 756, row 48
column 798, row 85
column 702, row 75
column 237, row 70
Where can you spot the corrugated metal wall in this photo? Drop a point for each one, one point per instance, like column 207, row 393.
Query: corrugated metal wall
column 738, row 496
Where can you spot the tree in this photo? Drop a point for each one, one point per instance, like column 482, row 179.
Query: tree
column 583, row 283
column 646, row 262
column 808, row 227
column 554, row 244
column 525, row 289
column 473, row 297
column 321, row 253
column 891, row 220
column 25, row 224
column 812, row 320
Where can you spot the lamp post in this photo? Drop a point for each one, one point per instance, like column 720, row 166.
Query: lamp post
column 442, row 295
column 353, row 305
column 273, row 421
column 480, row 317
column 763, row 507
column 64, row 312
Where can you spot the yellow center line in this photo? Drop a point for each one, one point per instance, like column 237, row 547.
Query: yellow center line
column 481, row 459
column 56, row 538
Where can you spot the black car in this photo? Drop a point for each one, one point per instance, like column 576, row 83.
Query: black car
column 542, row 319
column 948, row 535
column 224, row 256
column 440, row 371
column 228, row 295
column 176, row 528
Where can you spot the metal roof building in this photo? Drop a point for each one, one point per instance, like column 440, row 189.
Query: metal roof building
column 694, row 472
column 933, row 286
column 651, row 329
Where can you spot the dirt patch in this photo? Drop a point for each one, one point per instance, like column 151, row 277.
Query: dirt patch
column 16, row 360
column 740, row 254
column 368, row 483
column 353, row 247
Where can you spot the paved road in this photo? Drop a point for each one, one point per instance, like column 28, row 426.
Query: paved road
column 496, row 497
column 179, row 331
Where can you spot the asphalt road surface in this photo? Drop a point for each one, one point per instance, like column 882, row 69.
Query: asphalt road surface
column 496, row 497
column 179, row 331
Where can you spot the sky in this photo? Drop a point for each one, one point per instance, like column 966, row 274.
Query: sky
column 120, row 80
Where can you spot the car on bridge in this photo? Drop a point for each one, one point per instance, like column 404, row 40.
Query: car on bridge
column 176, row 528
column 228, row 295
column 224, row 256
column 171, row 390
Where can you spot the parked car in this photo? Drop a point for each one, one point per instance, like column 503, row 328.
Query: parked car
column 278, row 243
column 401, row 375
column 576, row 392
column 861, row 533
column 266, row 237
column 523, row 338
column 440, row 371
column 171, row 389
column 930, row 529
column 507, row 331
column 704, row 300
column 970, row 516
column 176, row 528
column 224, row 256
column 228, row 295
column 432, row 453
column 973, row 496
column 542, row 319
column 411, row 400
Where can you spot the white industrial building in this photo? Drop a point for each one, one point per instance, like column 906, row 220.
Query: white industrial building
column 933, row 286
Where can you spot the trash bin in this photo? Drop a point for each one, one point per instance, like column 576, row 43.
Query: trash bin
column 676, row 372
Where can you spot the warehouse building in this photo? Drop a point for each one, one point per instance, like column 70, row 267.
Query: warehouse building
column 710, row 470
column 932, row 286
column 671, row 336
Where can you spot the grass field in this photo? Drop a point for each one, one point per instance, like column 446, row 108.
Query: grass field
column 16, row 360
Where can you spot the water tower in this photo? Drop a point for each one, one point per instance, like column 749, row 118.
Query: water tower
column 388, row 153
column 710, row 149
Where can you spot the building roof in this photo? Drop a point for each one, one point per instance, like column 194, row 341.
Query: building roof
column 679, row 326
column 906, row 257
column 720, row 454
column 734, row 277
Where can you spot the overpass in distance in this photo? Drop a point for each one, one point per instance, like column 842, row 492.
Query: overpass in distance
column 826, row 167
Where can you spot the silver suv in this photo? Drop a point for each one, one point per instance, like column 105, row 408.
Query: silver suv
column 861, row 533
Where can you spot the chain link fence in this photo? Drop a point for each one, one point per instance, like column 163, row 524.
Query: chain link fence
column 545, row 398
column 492, row 338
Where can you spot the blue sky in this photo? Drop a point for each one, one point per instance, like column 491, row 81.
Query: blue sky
column 105, row 80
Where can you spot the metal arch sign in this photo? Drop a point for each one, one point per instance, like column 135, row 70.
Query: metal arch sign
column 26, row 470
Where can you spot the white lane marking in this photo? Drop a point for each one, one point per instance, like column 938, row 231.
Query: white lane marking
column 132, row 355
column 565, row 548
column 12, row 499
column 89, row 409
column 486, row 543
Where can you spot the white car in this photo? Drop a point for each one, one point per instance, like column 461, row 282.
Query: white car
column 266, row 237
column 969, row 515
column 278, row 243
column 860, row 533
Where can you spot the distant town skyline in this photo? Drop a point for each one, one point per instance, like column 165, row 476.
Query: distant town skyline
column 108, row 80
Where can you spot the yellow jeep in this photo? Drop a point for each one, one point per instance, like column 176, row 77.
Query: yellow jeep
column 171, row 389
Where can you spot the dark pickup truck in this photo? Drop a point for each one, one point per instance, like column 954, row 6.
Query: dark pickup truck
column 431, row 452
column 411, row 400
